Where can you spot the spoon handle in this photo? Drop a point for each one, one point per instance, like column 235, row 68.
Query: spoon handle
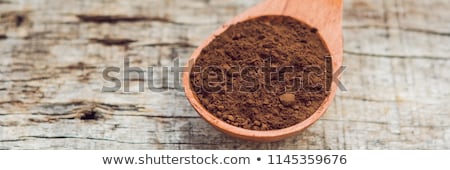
column 325, row 15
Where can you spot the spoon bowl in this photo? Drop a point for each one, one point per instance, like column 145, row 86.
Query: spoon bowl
column 324, row 15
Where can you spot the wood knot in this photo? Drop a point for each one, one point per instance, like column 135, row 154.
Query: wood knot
column 91, row 112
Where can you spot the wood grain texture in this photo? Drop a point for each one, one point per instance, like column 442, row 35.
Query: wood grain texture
column 53, row 54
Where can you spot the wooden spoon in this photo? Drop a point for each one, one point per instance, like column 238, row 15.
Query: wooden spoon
column 325, row 15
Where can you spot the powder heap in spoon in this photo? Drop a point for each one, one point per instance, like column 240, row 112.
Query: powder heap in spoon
column 265, row 73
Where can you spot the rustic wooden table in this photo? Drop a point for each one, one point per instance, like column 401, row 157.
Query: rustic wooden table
column 53, row 54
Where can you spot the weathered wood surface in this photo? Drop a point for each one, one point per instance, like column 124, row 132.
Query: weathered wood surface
column 53, row 53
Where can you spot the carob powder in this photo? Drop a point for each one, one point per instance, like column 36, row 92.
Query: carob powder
column 265, row 73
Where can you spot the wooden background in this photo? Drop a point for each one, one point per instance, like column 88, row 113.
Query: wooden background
column 53, row 53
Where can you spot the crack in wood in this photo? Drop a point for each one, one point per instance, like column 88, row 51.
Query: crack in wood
column 74, row 137
column 367, row 99
column 77, row 103
column 122, row 18
column 12, row 140
column 78, row 66
column 426, row 31
column 27, row 80
column 179, row 44
column 11, row 102
column 109, row 18
column 417, row 30
column 84, row 110
column 395, row 56
column 90, row 111
column 357, row 121
column 160, row 116
column 112, row 41
column 99, row 114
column 23, row 138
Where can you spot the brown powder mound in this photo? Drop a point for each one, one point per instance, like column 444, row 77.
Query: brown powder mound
column 266, row 73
